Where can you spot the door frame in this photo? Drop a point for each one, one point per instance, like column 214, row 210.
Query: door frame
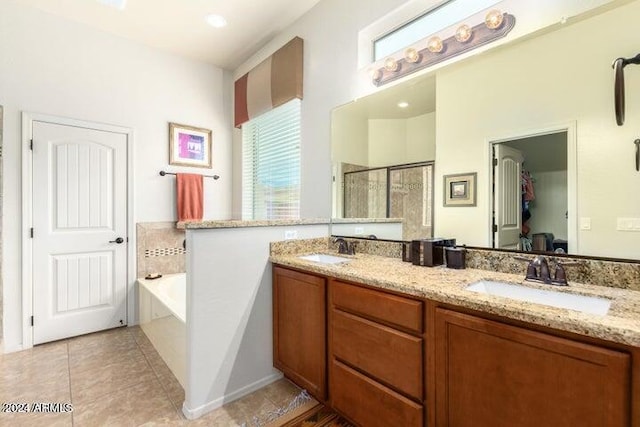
column 27, row 214
column 570, row 127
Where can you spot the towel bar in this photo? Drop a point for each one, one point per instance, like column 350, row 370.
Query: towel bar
column 163, row 173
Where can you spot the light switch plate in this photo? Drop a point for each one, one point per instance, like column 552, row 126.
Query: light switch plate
column 628, row 224
column 290, row 234
column 585, row 223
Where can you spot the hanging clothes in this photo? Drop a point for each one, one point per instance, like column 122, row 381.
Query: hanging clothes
column 527, row 186
column 528, row 195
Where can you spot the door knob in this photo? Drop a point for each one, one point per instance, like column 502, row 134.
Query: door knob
column 118, row 240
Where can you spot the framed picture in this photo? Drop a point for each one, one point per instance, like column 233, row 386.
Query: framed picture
column 189, row 146
column 460, row 189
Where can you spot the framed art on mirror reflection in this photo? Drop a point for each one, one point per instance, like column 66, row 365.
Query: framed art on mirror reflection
column 460, row 189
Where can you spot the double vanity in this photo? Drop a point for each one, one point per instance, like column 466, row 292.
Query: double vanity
column 387, row 343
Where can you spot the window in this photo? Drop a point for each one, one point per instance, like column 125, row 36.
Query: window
column 445, row 14
column 271, row 164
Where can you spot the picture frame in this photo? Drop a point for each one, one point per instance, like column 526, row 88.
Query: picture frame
column 190, row 146
column 460, row 189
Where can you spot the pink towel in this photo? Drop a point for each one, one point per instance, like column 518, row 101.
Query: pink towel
column 189, row 196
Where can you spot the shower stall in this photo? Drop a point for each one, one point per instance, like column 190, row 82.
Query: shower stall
column 399, row 191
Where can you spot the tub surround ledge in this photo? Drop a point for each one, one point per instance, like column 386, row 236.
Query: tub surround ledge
column 621, row 325
column 236, row 223
column 366, row 220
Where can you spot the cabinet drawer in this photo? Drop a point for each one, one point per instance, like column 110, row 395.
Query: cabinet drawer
column 390, row 309
column 388, row 355
column 369, row 403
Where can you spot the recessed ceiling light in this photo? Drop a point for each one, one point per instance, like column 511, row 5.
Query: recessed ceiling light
column 216, row 21
column 403, row 104
column 118, row 4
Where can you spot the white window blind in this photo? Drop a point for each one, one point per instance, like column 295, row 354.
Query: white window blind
column 271, row 164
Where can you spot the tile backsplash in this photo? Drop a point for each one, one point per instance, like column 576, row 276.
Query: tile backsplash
column 159, row 248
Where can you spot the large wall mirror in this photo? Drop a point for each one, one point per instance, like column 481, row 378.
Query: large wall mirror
column 532, row 122
column 1, row 204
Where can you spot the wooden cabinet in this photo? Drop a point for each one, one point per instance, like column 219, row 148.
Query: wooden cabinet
column 376, row 356
column 299, row 329
column 382, row 359
column 493, row 374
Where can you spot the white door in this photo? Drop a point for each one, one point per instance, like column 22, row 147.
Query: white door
column 507, row 197
column 79, row 230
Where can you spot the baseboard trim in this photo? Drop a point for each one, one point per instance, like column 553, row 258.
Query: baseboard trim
column 193, row 413
column 7, row 350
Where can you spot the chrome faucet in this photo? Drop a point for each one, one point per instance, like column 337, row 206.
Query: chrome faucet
column 345, row 247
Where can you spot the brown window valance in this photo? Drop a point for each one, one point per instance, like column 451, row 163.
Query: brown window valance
column 276, row 80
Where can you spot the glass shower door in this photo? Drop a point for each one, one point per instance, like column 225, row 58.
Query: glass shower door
column 365, row 194
column 411, row 198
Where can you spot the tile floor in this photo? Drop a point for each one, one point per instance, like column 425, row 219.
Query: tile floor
column 115, row 378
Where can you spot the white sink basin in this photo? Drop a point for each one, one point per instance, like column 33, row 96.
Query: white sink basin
column 585, row 304
column 325, row 259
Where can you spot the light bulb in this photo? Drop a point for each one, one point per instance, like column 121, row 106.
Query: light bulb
column 391, row 64
column 375, row 74
column 463, row 33
column 411, row 55
column 494, row 19
column 403, row 104
column 435, row 44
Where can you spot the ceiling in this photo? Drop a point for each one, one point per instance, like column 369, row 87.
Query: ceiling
column 419, row 93
column 179, row 27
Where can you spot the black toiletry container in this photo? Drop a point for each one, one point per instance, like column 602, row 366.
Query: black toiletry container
column 427, row 252
column 406, row 252
column 455, row 258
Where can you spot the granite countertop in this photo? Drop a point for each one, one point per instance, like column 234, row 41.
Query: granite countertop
column 621, row 324
column 236, row 223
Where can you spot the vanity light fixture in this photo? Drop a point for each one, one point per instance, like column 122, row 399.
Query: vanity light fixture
column 488, row 28
column 216, row 21
column 435, row 44
column 391, row 64
column 403, row 104
column 494, row 19
column 463, row 33
column 375, row 74
column 411, row 55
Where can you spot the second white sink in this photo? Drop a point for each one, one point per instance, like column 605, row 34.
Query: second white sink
column 325, row 259
column 585, row 304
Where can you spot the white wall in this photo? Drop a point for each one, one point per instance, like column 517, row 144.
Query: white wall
column 387, row 142
column 559, row 77
column 349, row 138
column 550, row 205
column 382, row 230
column 229, row 314
column 400, row 141
column 421, row 137
column 53, row 66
